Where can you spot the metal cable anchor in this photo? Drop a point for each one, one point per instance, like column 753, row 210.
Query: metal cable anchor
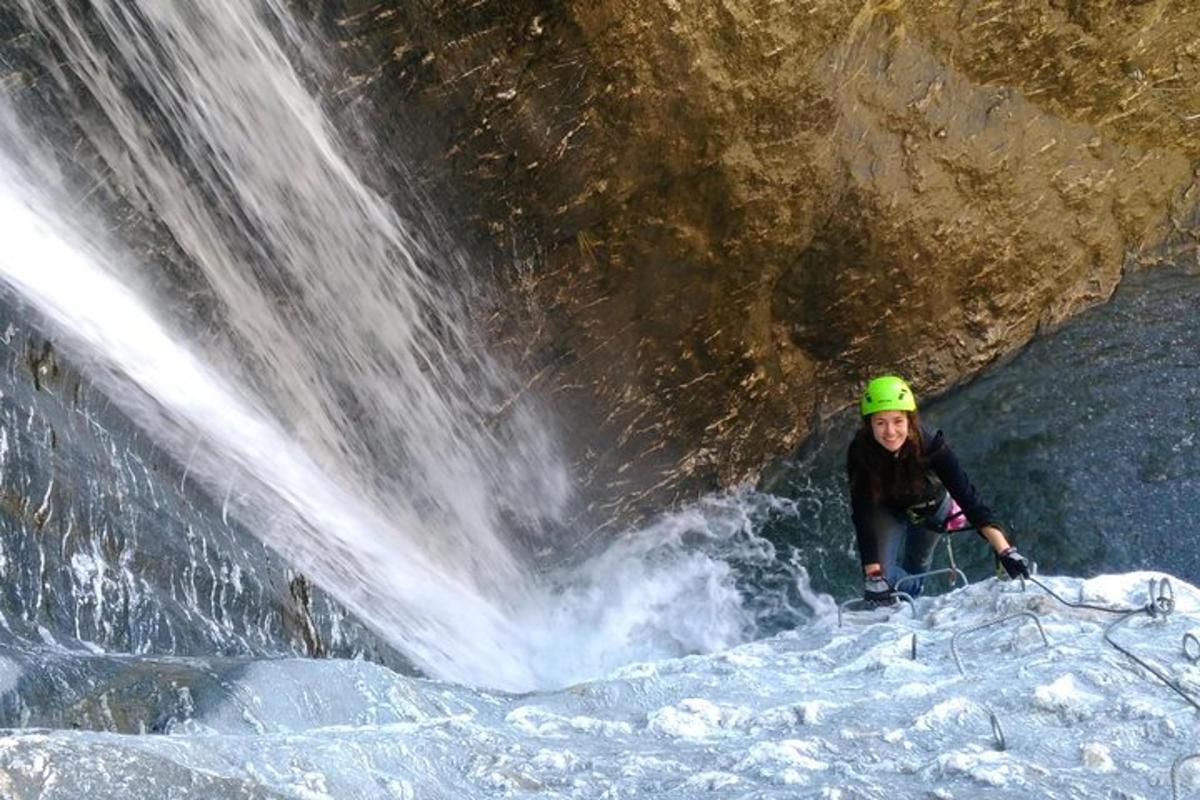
column 1179, row 762
column 1162, row 598
column 997, row 731
column 1189, row 641
column 1161, row 604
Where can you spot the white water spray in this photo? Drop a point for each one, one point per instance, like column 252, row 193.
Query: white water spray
column 376, row 565
column 324, row 303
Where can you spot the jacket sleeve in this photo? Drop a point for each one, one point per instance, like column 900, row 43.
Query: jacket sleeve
column 945, row 465
column 863, row 514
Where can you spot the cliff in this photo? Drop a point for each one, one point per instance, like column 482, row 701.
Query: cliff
column 712, row 220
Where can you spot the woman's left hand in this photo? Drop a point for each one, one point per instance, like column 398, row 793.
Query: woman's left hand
column 1015, row 564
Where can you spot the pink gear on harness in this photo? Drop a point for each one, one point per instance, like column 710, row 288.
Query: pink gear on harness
column 955, row 519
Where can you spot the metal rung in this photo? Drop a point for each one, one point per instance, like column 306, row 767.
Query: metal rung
column 988, row 624
column 958, row 574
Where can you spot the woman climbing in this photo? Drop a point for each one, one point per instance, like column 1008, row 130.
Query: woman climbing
column 906, row 486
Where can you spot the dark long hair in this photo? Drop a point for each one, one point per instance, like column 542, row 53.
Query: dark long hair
column 879, row 475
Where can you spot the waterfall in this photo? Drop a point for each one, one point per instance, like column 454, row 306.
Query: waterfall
column 327, row 382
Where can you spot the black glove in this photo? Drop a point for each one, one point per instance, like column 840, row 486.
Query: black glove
column 1014, row 563
column 877, row 590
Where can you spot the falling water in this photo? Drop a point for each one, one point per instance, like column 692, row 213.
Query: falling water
column 340, row 403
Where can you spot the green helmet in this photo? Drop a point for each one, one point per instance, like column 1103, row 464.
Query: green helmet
column 887, row 393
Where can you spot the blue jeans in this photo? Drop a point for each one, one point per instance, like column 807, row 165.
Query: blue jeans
column 915, row 540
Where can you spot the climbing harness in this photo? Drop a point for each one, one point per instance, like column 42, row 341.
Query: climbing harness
column 946, row 529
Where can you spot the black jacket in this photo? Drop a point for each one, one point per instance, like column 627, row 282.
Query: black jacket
column 944, row 474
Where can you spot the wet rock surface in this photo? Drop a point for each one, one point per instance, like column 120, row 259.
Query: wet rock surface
column 106, row 544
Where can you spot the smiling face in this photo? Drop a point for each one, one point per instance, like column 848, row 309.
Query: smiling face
column 890, row 429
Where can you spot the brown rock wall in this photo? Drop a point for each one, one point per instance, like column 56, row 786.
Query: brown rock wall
column 713, row 219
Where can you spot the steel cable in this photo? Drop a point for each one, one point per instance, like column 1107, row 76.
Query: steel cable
column 1161, row 604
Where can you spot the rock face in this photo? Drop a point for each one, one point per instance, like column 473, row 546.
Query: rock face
column 715, row 219
column 104, row 540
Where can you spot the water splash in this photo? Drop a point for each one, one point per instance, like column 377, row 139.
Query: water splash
column 699, row 580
